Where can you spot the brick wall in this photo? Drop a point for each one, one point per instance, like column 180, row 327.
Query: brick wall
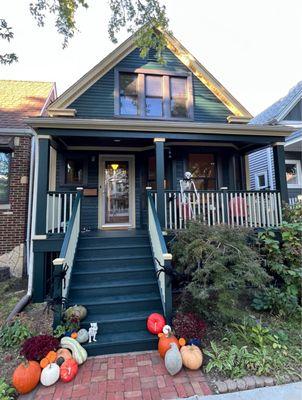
column 13, row 221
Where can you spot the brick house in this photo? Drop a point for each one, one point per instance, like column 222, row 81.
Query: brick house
column 18, row 99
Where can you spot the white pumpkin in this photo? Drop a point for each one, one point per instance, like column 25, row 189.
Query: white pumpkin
column 50, row 374
column 173, row 360
column 82, row 336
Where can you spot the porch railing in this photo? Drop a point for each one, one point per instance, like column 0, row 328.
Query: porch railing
column 64, row 264
column 59, row 210
column 236, row 208
column 162, row 259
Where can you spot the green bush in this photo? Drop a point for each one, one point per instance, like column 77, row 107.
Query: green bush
column 14, row 334
column 6, row 392
column 221, row 262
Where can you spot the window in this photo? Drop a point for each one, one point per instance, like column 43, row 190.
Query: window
column 293, row 173
column 203, row 169
column 154, row 95
column 74, row 170
column 261, row 180
column 4, row 177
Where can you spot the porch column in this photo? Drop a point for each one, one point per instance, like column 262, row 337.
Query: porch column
column 160, row 177
column 280, row 175
column 42, row 183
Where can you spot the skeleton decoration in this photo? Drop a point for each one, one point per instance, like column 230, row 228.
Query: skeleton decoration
column 93, row 331
column 186, row 185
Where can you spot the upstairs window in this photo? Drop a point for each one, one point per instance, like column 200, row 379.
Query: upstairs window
column 154, row 95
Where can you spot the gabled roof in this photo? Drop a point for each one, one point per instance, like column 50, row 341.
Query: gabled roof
column 127, row 47
column 19, row 99
column 275, row 113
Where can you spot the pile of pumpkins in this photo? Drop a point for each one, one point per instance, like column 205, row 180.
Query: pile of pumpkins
column 175, row 352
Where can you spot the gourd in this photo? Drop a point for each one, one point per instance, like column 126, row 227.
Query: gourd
column 44, row 362
column 191, row 356
column 155, row 323
column 68, row 370
column 63, row 353
column 74, row 335
column 26, row 376
column 79, row 312
column 78, row 352
column 165, row 339
column 173, row 361
column 82, row 336
column 50, row 374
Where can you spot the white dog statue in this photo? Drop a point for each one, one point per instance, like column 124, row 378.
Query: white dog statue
column 93, row 330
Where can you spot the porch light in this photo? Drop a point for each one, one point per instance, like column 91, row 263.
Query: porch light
column 114, row 166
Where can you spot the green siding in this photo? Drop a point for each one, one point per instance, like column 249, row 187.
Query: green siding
column 98, row 100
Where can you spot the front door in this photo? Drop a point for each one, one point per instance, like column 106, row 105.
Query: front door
column 117, row 192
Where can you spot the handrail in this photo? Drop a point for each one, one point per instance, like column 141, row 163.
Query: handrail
column 161, row 258
column 64, row 263
column 59, row 210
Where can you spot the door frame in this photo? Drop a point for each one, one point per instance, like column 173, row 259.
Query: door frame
column 131, row 162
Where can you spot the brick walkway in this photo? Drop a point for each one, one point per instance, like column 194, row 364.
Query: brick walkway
column 126, row 376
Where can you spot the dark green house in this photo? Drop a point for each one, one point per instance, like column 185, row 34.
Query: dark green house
column 109, row 160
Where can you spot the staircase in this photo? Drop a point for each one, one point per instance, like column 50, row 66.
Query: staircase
column 114, row 278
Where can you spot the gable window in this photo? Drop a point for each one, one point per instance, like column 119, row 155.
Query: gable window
column 293, row 173
column 4, row 177
column 153, row 94
column 203, row 169
column 261, row 180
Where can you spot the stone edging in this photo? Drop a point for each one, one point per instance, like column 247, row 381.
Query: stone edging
column 250, row 382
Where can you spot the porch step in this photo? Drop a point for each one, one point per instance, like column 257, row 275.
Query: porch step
column 114, row 278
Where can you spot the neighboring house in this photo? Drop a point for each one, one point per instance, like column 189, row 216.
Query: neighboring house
column 285, row 112
column 127, row 124
column 18, row 99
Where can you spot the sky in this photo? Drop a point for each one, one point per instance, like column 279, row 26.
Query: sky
column 253, row 47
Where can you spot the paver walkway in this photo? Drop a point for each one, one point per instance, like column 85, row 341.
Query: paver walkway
column 126, row 376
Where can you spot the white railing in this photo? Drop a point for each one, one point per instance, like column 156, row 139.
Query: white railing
column 58, row 211
column 292, row 201
column 241, row 208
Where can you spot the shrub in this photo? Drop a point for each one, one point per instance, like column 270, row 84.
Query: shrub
column 6, row 391
column 14, row 334
column 222, row 263
column 37, row 347
column 188, row 326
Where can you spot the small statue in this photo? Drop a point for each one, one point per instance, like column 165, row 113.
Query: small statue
column 93, row 331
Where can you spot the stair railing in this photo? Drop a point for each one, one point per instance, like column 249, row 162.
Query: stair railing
column 161, row 257
column 64, row 264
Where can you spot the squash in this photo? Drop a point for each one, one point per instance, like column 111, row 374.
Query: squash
column 82, row 336
column 74, row 335
column 76, row 311
column 155, row 323
column 51, row 356
column 165, row 339
column 78, row 352
column 50, row 374
column 68, row 370
column 191, row 356
column 44, row 362
column 63, row 353
column 182, row 341
column 26, row 376
column 173, row 361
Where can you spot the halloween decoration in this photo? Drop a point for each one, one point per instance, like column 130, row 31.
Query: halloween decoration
column 76, row 311
column 155, row 323
column 191, row 356
column 165, row 339
column 82, row 336
column 93, row 331
column 68, row 370
column 26, row 376
column 78, row 352
column 50, row 374
column 173, row 361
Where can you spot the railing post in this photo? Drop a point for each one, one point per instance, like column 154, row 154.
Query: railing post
column 42, row 184
column 280, row 174
column 225, row 204
column 160, row 178
column 57, row 291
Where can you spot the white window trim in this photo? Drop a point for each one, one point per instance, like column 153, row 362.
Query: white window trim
column 299, row 174
column 257, row 175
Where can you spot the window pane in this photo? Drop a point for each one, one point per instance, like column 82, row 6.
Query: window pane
column 261, row 181
column 154, row 86
column 4, row 177
column 128, row 105
column 178, row 87
column 154, row 107
column 291, row 173
column 179, row 108
column 74, row 171
column 203, row 169
column 128, row 84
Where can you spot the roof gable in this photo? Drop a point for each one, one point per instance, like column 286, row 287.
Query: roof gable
column 115, row 57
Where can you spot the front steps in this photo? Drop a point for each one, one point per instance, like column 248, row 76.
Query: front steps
column 114, row 278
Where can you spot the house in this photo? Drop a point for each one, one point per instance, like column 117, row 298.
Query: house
column 18, row 99
column 284, row 112
column 110, row 157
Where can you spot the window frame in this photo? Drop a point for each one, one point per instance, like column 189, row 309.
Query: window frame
column 6, row 202
column 63, row 182
column 299, row 174
column 141, row 73
column 257, row 175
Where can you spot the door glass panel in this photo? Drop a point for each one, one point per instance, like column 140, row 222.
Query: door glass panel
column 116, row 192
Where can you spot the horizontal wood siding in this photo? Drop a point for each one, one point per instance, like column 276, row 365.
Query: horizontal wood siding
column 258, row 162
column 98, row 100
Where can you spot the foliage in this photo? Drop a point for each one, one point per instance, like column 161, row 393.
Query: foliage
column 37, row 347
column 6, row 391
column 133, row 15
column 59, row 331
column 221, row 263
column 188, row 326
column 13, row 334
column 292, row 213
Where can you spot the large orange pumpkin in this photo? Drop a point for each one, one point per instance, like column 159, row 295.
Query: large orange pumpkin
column 165, row 339
column 26, row 376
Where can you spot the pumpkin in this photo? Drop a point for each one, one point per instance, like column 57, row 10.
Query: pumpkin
column 155, row 323
column 191, row 356
column 165, row 339
column 173, row 360
column 50, row 374
column 79, row 312
column 60, row 361
column 78, row 352
column 74, row 335
column 63, row 353
column 68, row 370
column 26, row 376
column 182, row 341
column 51, row 356
column 44, row 362
column 82, row 336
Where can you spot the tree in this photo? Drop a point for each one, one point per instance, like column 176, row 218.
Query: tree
column 133, row 15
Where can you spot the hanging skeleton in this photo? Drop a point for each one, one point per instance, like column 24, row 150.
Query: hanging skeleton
column 186, row 186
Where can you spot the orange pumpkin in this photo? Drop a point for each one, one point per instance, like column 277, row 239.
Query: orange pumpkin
column 68, row 370
column 64, row 353
column 74, row 335
column 165, row 339
column 44, row 362
column 26, row 376
column 51, row 356
column 182, row 341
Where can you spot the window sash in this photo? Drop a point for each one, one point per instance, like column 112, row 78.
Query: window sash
column 257, row 179
column 5, row 177
column 297, row 163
